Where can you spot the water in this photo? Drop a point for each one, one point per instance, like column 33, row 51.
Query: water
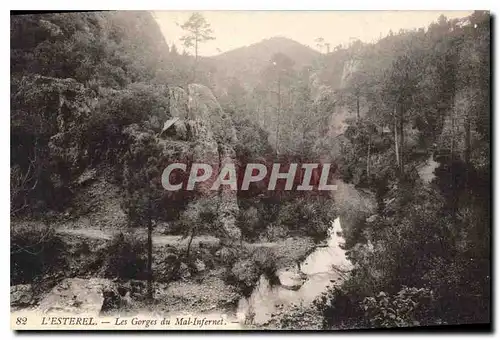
column 319, row 267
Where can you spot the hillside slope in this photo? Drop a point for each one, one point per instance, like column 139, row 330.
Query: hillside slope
column 246, row 63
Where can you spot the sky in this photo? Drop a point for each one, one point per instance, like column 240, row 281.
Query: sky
column 234, row 29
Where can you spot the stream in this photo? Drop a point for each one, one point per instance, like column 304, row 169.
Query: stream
column 321, row 269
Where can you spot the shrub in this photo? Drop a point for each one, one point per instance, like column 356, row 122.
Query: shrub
column 35, row 250
column 265, row 260
column 199, row 218
column 125, row 257
column 340, row 309
column 249, row 222
column 246, row 267
column 343, row 308
column 134, row 104
column 408, row 307
column 307, row 217
column 292, row 250
column 227, row 256
column 297, row 317
column 252, row 140
column 274, row 232
column 244, row 275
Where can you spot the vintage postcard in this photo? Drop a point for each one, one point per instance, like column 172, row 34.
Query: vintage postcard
column 250, row 170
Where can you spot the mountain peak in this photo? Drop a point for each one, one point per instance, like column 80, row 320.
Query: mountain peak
column 271, row 45
column 281, row 38
column 246, row 63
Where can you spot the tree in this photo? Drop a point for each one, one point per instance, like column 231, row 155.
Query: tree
column 320, row 42
column 434, row 237
column 401, row 86
column 142, row 175
column 200, row 216
column 198, row 31
column 236, row 99
column 279, row 75
column 357, row 87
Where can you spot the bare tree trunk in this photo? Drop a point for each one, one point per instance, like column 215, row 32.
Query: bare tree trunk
column 467, row 141
column 190, row 241
column 279, row 114
column 195, row 68
column 357, row 106
column 196, row 49
column 402, row 139
column 150, row 254
column 303, row 143
column 452, row 151
column 467, row 148
column 368, row 157
column 396, row 138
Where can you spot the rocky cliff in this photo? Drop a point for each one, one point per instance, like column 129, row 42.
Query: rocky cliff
column 333, row 97
column 204, row 133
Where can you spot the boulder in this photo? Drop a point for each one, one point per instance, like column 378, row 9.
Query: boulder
column 21, row 295
column 291, row 278
column 137, row 288
column 175, row 129
column 76, row 296
column 184, row 272
column 112, row 299
column 199, row 265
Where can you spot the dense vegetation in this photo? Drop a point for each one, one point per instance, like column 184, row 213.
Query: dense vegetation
column 90, row 92
column 432, row 89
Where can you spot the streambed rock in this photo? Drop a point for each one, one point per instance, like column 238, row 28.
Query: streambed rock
column 76, row 296
column 291, row 278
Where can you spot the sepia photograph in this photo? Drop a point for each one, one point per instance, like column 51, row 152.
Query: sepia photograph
column 250, row 170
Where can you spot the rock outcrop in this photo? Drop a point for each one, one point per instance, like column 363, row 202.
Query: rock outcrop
column 332, row 98
column 21, row 295
column 351, row 66
column 204, row 133
column 326, row 101
column 56, row 108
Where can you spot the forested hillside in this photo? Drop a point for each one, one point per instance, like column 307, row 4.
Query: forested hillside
column 76, row 78
column 100, row 104
column 415, row 98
